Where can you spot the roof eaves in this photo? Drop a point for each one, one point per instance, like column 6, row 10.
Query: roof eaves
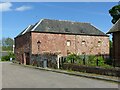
column 37, row 24
column 26, row 29
column 97, row 28
column 70, row 33
column 112, row 30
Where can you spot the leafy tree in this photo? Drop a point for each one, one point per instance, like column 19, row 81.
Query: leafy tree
column 9, row 41
column 115, row 13
column 7, row 44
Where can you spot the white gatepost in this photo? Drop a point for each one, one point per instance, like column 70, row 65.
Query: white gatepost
column 58, row 62
column 13, row 48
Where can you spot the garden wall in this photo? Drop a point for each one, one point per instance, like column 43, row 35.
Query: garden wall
column 90, row 69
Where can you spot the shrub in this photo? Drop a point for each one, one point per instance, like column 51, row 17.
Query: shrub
column 71, row 58
column 92, row 60
column 7, row 57
column 101, row 61
column 108, row 61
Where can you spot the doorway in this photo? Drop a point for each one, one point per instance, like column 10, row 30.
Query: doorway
column 27, row 55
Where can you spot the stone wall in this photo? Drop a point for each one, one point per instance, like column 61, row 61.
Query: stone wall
column 38, row 60
column 92, row 45
column 64, row 44
column 22, row 46
column 79, row 44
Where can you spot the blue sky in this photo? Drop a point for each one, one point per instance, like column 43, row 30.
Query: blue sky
column 16, row 16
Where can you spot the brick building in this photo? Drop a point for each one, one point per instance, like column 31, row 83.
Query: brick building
column 115, row 30
column 63, row 37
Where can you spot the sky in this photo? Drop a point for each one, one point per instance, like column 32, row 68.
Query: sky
column 16, row 16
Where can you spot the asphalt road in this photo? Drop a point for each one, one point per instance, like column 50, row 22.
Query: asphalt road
column 15, row 76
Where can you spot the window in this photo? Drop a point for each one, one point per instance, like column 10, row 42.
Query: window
column 99, row 53
column 83, row 42
column 68, row 42
column 68, row 52
column 99, row 43
column 83, row 53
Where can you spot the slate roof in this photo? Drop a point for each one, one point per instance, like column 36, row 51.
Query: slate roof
column 66, row 27
column 115, row 28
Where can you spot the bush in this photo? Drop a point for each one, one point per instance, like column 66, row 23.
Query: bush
column 101, row 61
column 88, row 60
column 108, row 61
column 92, row 60
column 72, row 58
column 7, row 57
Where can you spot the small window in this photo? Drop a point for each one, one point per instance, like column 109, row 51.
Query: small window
column 99, row 43
column 68, row 42
column 68, row 52
column 83, row 42
column 99, row 53
column 83, row 53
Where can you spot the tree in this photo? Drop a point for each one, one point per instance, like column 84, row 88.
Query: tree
column 9, row 41
column 115, row 13
column 7, row 44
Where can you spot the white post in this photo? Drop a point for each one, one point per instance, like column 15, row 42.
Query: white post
column 13, row 48
column 58, row 64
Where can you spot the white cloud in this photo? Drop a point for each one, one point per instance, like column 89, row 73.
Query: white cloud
column 23, row 8
column 5, row 6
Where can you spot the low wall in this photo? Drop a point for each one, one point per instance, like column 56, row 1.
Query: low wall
column 37, row 60
column 90, row 69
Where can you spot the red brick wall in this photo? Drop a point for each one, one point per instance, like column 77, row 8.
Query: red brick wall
column 49, row 42
column 92, row 45
column 116, row 48
column 58, row 43
column 22, row 45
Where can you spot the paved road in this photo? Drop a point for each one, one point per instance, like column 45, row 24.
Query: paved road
column 15, row 76
column 0, row 75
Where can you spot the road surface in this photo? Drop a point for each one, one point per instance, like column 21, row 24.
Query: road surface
column 16, row 76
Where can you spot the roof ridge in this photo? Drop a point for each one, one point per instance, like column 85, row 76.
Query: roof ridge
column 67, row 21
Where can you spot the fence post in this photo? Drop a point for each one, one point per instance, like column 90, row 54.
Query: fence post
column 73, row 60
column 84, row 60
column 97, row 62
column 113, row 62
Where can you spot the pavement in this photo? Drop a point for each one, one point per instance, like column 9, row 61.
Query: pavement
column 81, row 74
